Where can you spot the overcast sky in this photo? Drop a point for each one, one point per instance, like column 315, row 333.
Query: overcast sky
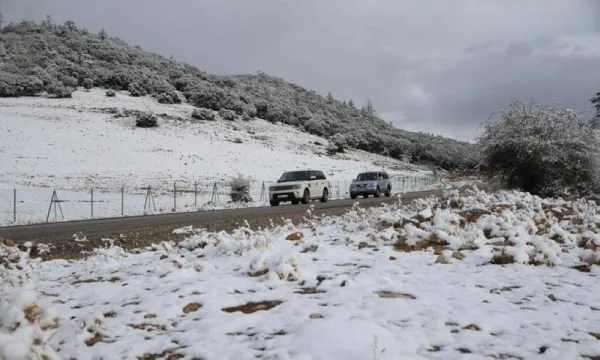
column 440, row 66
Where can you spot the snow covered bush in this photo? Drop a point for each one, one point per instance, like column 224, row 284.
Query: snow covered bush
column 240, row 189
column 228, row 115
column 59, row 90
column 135, row 89
column 146, row 120
column 337, row 144
column 87, row 84
column 545, row 150
column 111, row 93
column 203, row 114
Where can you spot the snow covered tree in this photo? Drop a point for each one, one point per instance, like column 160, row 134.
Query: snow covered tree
column 368, row 109
column 596, row 103
column 545, row 150
column 351, row 103
column 103, row 35
column 330, row 99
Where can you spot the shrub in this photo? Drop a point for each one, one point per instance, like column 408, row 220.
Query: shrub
column 135, row 89
column 240, row 189
column 88, row 84
column 111, row 93
column 226, row 114
column 544, row 150
column 168, row 98
column 337, row 144
column 146, row 120
column 203, row 114
column 59, row 90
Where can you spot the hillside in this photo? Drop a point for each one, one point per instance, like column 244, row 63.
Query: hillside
column 91, row 141
column 46, row 57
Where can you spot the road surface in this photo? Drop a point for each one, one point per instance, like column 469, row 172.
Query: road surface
column 67, row 229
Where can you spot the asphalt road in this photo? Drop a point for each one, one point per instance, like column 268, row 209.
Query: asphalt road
column 24, row 232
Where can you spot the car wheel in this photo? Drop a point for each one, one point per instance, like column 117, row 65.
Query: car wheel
column 388, row 192
column 352, row 196
column 377, row 192
column 325, row 197
column 306, row 197
column 295, row 202
column 274, row 203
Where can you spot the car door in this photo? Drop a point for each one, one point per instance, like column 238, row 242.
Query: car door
column 322, row 181
column 380, row 182
column 312, row 183
column 319, row 185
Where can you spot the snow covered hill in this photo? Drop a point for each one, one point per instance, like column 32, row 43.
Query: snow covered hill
column 91, row 140
column 491, row 276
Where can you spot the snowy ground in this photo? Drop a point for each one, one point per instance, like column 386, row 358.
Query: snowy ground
column 418, row 282
column 90, row 141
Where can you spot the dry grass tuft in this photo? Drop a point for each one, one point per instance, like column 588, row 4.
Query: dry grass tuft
column 252, row 307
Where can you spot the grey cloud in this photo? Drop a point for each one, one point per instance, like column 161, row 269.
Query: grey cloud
column 439, row 67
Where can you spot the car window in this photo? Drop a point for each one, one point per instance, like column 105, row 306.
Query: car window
column 385, row 176
column 294, row 176
column 320, row 175
column 367, row 176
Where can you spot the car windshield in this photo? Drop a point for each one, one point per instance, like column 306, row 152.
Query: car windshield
column 366, row 177
column 294, row 176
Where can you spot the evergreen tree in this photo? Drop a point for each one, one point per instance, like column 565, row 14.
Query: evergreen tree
column 103, row 35
column 351, row 103
column 596, row 103
column 330, row 98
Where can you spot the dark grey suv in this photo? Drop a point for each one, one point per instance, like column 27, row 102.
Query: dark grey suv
column 371, row 183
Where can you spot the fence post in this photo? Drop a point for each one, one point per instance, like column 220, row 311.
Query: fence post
column 15, row 206
column 195, row 194
column 174, row 195
column 122, row 200
column 92, row 201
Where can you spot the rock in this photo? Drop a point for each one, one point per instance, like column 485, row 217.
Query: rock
column 441, row 259
column 458, row 255
column 295, row 236
column 316, row 316
column 393, row 258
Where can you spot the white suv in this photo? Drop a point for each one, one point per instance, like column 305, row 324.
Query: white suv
column 300, row 186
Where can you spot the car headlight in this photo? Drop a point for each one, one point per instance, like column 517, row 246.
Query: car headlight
column 297, row 187
column 371, row 185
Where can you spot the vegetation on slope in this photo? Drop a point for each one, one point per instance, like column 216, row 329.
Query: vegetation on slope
column 55, row 58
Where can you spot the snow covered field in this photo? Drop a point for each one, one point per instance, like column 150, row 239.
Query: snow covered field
column 498, row 276
column 90, row 141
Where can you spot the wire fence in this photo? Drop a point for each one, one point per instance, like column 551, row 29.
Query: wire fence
column 35, row 205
